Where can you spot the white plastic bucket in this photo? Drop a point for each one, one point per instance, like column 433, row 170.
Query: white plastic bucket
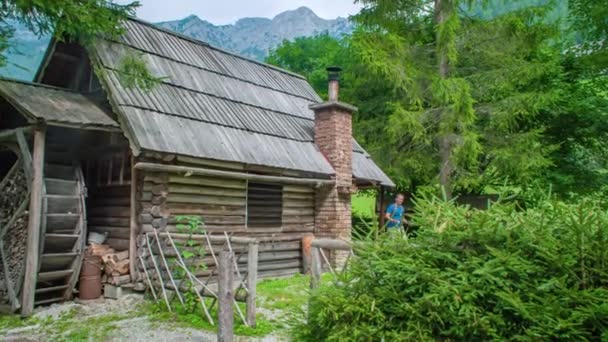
column 97, row 238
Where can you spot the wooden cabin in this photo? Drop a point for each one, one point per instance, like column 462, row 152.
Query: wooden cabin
column 248, row 147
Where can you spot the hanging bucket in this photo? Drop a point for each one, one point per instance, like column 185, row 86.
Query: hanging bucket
column 89, row 285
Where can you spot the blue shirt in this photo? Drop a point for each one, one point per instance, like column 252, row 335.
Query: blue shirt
column 396, row 212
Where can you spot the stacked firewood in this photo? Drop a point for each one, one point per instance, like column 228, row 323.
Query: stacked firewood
column 12, row 198
column 115, row 264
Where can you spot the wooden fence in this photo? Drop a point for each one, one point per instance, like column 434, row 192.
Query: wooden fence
column 170, row 270
column 320, row 260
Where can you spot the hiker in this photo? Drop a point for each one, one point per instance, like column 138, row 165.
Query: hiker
column 394, row 214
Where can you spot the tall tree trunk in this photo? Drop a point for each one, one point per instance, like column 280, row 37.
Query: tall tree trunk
column 445, row 142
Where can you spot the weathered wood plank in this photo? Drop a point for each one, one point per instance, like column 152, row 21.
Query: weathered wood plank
column 208, row 181
column 225, row 332
column 293, row 203
column 199, row 190
column 213, row 200
column 229, row 174
column 34, row 222
column 210, row 163
column 332, row 244
column 205, row 209
column 109, row 222
column 133, row 226
column 96, row 202
column 298, row 189
column 252, row 279
column 116, row 212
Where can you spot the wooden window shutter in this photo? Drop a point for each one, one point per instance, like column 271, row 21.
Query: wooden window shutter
column 264, row 205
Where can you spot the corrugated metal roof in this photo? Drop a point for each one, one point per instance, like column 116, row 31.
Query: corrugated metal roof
column 55, row 105
column 214, row 104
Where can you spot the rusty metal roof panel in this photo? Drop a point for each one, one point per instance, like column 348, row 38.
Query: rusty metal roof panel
column 57, row 106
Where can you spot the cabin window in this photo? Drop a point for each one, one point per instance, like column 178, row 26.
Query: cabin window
column 264, row 205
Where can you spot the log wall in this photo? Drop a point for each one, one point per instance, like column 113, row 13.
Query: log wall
column 222, row 205
column 108, row 211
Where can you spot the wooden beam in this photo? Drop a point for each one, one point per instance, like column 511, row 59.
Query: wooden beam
column 134, row 231
column 24, row 149
column 34, row 225
column 212, row 238
column 225, row 330
column 151, row 167
column 332, row 244
column 252, row 279
column 315, row 269
column 12, row 133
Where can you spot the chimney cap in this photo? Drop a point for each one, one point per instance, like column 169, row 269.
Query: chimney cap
column 333, row 73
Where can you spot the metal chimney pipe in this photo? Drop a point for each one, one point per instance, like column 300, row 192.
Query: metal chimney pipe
column 333, row 79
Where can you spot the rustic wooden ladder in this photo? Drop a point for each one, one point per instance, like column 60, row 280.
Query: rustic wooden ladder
column 64, row 229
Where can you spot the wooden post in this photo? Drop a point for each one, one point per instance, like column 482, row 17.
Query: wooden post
column 381, row 209
column 315, row 272
column 33, row 227
column 306, row 252
column 133, row 225
column 252, row 279
column 225, row 329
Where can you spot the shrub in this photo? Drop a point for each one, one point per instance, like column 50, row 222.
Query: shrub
column 500, row 274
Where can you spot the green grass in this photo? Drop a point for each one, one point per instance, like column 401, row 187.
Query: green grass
column 286, row 296
column 69, row 326
column 364, row 204
column 284, row 293
column 15, row 321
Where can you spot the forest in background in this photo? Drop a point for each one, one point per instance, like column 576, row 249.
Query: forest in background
column 523, row 105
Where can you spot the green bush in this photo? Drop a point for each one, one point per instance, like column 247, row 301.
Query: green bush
column 501, row 274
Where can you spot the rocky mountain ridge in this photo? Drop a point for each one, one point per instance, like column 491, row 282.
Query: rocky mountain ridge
column 249, row 37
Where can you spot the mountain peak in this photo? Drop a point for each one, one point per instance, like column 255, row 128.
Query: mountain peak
column 302, row 11
column 191, row 17
column 255, row 37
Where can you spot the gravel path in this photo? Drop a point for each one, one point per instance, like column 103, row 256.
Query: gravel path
column 57, row 322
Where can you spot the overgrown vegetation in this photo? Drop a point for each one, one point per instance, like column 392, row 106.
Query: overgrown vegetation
column 521, row 102
column 501, row 274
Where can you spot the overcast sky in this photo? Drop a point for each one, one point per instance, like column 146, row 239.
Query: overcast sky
column 228, row 11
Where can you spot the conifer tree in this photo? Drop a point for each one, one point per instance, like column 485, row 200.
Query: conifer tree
column 467, row 90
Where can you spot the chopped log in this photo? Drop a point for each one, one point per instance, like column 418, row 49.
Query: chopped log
column 122, row 267
column 120, row 256
column 98, row 250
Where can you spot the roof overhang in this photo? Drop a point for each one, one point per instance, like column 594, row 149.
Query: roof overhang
column 56, row 106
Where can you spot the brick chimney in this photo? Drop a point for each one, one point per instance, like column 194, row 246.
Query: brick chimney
column 333, row 137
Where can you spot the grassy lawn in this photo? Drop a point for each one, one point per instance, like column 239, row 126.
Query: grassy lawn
column 280, row 302
column 364, row 204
